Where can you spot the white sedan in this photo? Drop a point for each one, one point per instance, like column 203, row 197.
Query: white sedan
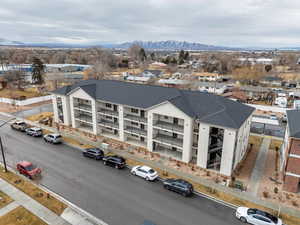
column 145, row 172
column 256, row 216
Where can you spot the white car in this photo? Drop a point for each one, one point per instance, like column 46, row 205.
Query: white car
column 256, row 217
column 53, row 138
column 145, row 172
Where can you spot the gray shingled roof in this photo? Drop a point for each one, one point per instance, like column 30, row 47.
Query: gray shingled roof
column 206, row 107
column 293, row 117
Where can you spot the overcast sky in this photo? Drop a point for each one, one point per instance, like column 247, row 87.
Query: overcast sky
column 266, row 23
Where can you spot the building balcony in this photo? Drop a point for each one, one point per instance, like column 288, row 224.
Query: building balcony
column 108, row 123
column 84, row 107
column 165, row 139
column 167, row 152
column 134, row 130
column 134, row 118
column 84, row 118
column 175, row 128
column 108, row 112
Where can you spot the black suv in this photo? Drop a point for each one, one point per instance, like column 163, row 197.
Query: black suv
column 116, row 161
column 180, row 186
column 94, row 153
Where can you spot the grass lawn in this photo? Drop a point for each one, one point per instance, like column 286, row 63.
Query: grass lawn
column 5, row 200
column 275, row 143
column 33, row 191
column 40, row 116
column 10, row 93
column 21, row 216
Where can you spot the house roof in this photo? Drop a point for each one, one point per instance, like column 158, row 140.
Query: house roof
column 206, row 107
column 293, row 117
column 155, row 72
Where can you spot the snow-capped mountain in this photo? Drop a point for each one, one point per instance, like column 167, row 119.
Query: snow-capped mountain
column 8, row 42
column 169, row 45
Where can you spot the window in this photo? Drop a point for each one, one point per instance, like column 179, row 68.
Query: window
column 166, row 117
column 134, row 110
column 108, row 105
column 134, row 123
column 108, row 117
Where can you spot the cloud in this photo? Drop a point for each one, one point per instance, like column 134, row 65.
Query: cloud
column 220, row 22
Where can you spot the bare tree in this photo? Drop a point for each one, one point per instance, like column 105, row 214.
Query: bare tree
column 134, row 52
column 3, row 58
column 15, row 77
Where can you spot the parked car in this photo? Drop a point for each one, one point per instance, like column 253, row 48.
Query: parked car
column 94, row 153
column 115, row 161
column 53, row 138
column 256, row 216
column 19, row 125
column 178, row 185
column 145, row 172
column 28, row 169
column 34, row 131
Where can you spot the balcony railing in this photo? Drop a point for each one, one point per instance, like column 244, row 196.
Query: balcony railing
column 135, row 118
column 108, row 112
column 81, row 106
column 108, row 123
column 169, row 140
column 169, row 126
column 167, row 152
column 135, row 130
column 84, row 118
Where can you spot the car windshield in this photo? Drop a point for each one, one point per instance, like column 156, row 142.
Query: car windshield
column 151, row 171
column 30, row 168
column 58, row 136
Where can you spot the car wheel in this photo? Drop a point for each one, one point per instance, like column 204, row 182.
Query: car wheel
column 243, row 219
column 133, row 173
column 166, row 187
column 116, row 166
column 147, row 179
column 104, row 162
column 184, row 194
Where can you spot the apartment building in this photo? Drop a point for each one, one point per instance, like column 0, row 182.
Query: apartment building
column 202, row 128
column 290, row 152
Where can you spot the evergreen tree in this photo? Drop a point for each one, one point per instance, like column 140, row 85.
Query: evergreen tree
column 186, row 55
column 142, row 55
column 38, row 70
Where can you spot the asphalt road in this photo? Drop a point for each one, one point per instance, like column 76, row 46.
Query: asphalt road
column 114, row 196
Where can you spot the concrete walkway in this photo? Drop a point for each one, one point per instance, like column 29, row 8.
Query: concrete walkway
column 11, row 206
column 30, row 204
column 259, row 166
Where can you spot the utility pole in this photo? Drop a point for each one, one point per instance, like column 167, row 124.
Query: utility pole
column 3, row 156
column 1, row 146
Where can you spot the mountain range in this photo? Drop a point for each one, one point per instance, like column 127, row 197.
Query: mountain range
column 148, row 45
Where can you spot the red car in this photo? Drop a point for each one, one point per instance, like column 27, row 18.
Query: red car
column 29, row 170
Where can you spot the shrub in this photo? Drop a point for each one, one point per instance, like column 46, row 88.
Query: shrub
column 266, row 194
column 295, row 203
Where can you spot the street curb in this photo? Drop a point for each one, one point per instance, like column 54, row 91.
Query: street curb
column 77, row 209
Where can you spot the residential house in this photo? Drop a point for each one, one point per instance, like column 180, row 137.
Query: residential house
column 290, row 153
column 208, row 76
column 151, row 73
column 190, row 126
column 212, row 87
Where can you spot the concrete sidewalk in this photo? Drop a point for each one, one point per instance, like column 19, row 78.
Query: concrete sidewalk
column 72, row 215
column 30, row 204
column 258, row 169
